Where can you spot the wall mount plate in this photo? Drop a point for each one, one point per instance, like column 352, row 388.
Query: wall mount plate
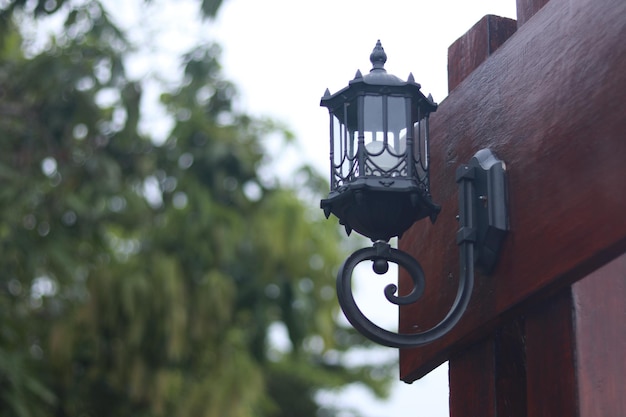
column 483, row 207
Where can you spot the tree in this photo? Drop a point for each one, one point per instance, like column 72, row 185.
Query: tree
column 142, row 278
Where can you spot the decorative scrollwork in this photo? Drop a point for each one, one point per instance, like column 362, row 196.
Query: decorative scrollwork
column 381, row 254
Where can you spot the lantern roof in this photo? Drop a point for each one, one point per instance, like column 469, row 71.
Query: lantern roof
column 378, row 82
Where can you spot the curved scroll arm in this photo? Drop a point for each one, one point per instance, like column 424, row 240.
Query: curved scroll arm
column 380, row 254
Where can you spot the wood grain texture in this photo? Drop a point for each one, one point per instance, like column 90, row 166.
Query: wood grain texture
column 551, row 384
column 489, row 377
column 510, row 359
column 600, row 326
column 550, row 103
column 563, row 356
column 472, row 381
column 471, row 49
column 527, row 9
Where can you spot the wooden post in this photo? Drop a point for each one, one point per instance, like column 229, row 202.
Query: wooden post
column 527, row 8
column 600, row 332
column 562, row 356
column 471, row 49
column 545, row 334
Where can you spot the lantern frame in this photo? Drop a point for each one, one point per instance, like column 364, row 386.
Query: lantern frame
column 379, row 161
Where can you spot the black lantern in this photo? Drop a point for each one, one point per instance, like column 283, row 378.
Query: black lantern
column 379, row 183
column 379, row 187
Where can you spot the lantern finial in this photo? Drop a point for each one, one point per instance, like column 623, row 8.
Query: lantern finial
column 378, row 57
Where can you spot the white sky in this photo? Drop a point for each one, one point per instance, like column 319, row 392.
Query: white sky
column 282, row 55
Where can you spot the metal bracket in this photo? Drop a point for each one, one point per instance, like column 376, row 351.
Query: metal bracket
column 483, row 208
column 483, row 221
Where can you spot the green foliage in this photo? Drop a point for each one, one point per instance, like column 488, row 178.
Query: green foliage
column 141, row 279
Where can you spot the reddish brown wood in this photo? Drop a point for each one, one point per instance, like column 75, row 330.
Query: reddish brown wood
column 575, row 345
column 510, row 360
column 601, row 341
column 472, row 381
column 471, row 49
column 565, row 357
column 550, row 344
column 550, row 104
column 527, row 8
column 489, row 378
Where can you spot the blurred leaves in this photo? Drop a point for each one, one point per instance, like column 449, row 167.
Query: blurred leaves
column 146, row 280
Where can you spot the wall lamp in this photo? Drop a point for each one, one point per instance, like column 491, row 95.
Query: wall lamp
column 379, row 187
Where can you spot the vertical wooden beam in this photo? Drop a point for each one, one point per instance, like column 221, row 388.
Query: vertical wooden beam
column 489, row 379
column 575, row 344
column 527, row 8
column 472, row 381
column 471, row 49
column 550, row 346
column 564, row 356
column 511, row 370
column 601, row 340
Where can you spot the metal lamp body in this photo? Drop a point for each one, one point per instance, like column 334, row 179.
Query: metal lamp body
column 379, row 153
column 380, row 186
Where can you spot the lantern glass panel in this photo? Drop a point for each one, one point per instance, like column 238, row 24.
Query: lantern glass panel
column 338, row 141
column 373, row 119
column 379, row 159
column 338, row 160
column 397, row 123
column 344, row 153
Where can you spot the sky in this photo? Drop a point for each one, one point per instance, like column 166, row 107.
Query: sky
column 282, row 55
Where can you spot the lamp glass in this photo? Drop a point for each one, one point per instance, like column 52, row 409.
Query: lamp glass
column 384, row 118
